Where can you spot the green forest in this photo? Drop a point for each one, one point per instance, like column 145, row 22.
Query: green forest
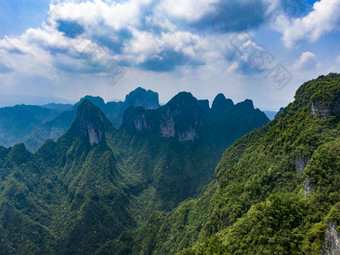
column 181, row 179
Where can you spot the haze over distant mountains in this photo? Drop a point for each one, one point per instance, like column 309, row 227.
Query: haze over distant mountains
column 55, row 119
column 52, row 123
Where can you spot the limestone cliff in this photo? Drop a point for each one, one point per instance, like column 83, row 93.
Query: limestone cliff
column 90, row 123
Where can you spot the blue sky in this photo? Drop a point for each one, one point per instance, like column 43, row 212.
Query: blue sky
column 257, row 49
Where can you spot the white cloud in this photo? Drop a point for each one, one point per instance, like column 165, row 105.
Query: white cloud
column 97, row 12
column 307, row 61
column 323, row 19
column 251, row 59
column 189, row 10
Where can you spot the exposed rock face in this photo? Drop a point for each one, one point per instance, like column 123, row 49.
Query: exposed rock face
column 140, row 97
column 92, row 132
column 300, row 165
column 90, row 123
column 182, row 118
column 319, row 110
column 168, row 128
column 309, row 187
column 331, row 245
column 137, row 120
column 188, row 135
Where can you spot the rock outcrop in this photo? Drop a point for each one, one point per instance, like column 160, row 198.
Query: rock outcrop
column 182, row 118
column 320, row 111
column 90, row 123
column 309, row 187
column 331, row 245
column 143, row 98
column 300, row 165
column 324, row 110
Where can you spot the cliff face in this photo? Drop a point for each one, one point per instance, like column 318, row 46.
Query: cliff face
column 182, row 118
column 322, row 110
column 90, row 123
column 331, row 245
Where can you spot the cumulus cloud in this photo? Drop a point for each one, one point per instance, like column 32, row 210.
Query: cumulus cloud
column 307, row 61
column 188, row 10
column 83, row 36
column 251, row 59
column 323, row 19
column 233, row 16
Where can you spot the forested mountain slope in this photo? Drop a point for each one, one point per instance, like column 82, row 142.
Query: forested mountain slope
column 18, row 121
column 276, row 190
column 77, row 194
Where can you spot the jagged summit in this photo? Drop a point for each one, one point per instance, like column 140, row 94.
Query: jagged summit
column 221, row 103
column 143, row 98
column 96, row 100
column 246, row 105
column 91, row 123
column 187, row 119
column 183, row 98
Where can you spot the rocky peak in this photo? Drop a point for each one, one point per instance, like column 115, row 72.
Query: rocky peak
column 245, row 106
column 90, row 123
column 98, row 101
column 143, row 98
column 183, row 100
column 220, row 103
column 181, row 118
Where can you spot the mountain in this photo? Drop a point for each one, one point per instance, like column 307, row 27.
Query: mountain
column 18, row 121
column 276, row 189
column 145, row 99
column 54, row 198
column 114, row 111
column 187, row 119
column 78, row 194
column 270, row 114
column 184, row 146
column 181, row 118
column 58, row 107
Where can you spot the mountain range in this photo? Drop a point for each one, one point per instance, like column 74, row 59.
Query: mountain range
column 78, row 193
column 33, row 125
column 276, row 190
column 148, row 187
